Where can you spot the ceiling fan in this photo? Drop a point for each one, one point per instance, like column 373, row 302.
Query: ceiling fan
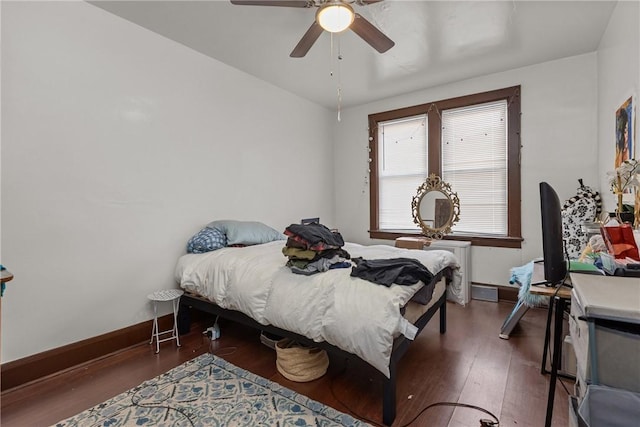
column 334, row 16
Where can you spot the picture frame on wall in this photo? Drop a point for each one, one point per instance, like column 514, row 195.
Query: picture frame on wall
column 625, row 131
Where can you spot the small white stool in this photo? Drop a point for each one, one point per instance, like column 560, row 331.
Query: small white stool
column 172, row 295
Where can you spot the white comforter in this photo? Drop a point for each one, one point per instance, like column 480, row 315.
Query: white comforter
column 353, row 314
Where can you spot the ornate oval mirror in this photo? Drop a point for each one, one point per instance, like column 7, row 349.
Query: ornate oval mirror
column 435, row 207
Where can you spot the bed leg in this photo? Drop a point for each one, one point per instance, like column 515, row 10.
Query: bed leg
column 389, row 397
column 443, row 317
column 184, row 319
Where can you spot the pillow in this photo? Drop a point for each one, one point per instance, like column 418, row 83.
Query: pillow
column 206, row 240
column 246, row 232
column 573, row 217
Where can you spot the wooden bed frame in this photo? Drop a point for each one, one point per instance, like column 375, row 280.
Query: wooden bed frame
column 400, row 345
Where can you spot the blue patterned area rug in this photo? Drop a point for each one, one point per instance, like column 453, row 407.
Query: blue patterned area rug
column 209, row 391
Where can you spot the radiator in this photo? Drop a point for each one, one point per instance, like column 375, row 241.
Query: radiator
column 462, row 251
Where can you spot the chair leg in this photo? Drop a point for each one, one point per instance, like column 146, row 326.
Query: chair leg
column 154, row 323
column 153, row 331
column 176, row 303
column 155, row 326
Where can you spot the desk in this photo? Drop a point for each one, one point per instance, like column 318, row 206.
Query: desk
column 557, row 301
column 603, row 299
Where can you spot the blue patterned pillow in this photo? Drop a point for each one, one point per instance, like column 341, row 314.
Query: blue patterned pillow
column 206, row 240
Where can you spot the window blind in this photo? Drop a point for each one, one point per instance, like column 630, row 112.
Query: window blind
column 474, row 162
column 402, row 167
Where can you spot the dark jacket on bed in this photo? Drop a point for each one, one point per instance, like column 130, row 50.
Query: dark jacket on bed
column 315, row 233
column 401, row 271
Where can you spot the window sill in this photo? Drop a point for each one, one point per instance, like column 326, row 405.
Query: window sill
column 496, row 242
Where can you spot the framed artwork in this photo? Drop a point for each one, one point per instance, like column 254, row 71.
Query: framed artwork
column 625, row 131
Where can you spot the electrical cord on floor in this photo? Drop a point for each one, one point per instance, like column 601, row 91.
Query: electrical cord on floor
column 204, row 335
column 181, row 411
column 483, row 422
column 202, row 344
column 136, row 399
column 221, row 352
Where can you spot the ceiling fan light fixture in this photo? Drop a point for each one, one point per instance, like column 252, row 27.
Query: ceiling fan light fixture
column 335, row 16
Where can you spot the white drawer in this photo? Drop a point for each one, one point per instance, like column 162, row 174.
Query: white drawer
column 618, row 356
column 579, row 331
column 618, row 353
column 580, row 386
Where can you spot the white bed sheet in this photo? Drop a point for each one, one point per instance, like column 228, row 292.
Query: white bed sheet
column 353, row 314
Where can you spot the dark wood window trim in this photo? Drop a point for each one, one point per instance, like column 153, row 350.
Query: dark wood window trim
column 432, row 110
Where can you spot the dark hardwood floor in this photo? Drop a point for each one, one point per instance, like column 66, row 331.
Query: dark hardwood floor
column 469, row 364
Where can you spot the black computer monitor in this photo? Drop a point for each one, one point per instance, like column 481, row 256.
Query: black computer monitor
column 555, row 263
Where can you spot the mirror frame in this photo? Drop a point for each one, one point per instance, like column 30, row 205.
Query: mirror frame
column 435, row 183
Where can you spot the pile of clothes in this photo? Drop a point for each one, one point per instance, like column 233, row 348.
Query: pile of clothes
column 314, row 248
column 401, row 271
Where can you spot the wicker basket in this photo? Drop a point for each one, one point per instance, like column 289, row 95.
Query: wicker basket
column 300, row 363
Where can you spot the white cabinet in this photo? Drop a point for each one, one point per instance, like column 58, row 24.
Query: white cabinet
column 604, row 323
column 617, row 353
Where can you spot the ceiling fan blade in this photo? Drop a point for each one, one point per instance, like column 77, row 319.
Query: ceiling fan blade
column 307, row 40
column 369, row 33
column 282, row 3
column 366, row 2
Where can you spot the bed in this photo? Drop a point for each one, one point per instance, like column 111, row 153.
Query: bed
column 330, row 310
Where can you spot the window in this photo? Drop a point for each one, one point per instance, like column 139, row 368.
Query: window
column 472, row 142
column 402, row 167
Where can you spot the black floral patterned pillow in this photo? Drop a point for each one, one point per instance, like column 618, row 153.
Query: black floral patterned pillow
column 584, row 207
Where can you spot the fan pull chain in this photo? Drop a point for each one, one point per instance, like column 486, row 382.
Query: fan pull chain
column 339, row 80
column 331, row 56
column 331, row 68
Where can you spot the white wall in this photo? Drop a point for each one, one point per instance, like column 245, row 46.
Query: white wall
column 118, row 145
column 618, row 78
column 559, row 139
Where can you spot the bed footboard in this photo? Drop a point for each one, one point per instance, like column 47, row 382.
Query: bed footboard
column 400, row 346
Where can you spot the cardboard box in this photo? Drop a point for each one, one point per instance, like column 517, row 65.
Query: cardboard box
column 412, row 242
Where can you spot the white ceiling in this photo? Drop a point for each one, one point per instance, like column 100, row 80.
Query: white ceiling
column 437, row 42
